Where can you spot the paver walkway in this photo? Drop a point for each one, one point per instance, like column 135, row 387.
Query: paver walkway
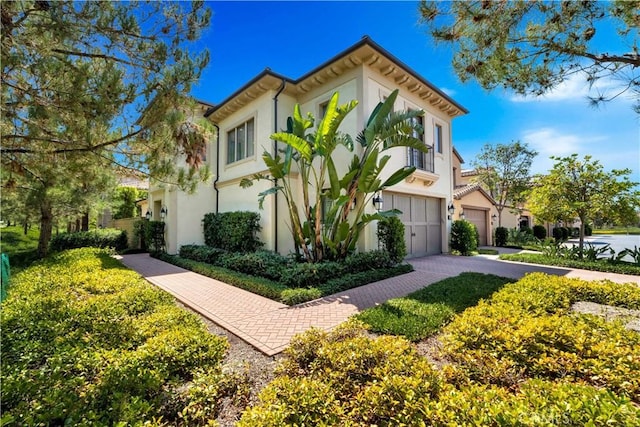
column 269, row 325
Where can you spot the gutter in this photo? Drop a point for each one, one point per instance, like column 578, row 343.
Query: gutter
column 275, row 153
column 215, row 182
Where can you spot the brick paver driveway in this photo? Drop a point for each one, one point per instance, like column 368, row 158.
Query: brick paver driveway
column 269, row 325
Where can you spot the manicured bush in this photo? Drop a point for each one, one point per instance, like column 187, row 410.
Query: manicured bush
column 526, row 229
column 348, row 378
column 463, row 237
column 353, row 280
column 154, row 236
column 201, row 253
column 502, row 234
column 86, row 341
column 371, row 260
column 391, row 237
column 539, row 232
column 526, row 331
column 265, row 264
column 571, row 261
column 308, row 275
column 100, row 238
column 557, row 234
column 588, row 230
column 232, row 231
column 300, row 295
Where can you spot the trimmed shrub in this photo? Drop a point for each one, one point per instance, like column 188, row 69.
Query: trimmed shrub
column 86, row 341
column 300, row 295
column 353, row 280
column 568, row 257
column 261, row 263
column 588, row 230
column 154, row 236
column 391, row 236
column 308, row 275
column 502, row 234
column 100, row 238
column 233, row 231
column 526, row 229
column 560, row 234
column 463, row 237
column 539, row 232
column 525, row 331
column 372, row 260
column 201, row 253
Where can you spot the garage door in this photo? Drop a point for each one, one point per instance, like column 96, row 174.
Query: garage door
column 478, row 217
column 421, row 217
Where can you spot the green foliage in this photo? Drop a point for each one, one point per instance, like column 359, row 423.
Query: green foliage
column 300, row 295
column 633, row 253
column 353, row 280
column 520, row 237
column 345, row 377
column 502, row 234
column 125, row 202
column 120, row 74
column 323, row 223
column 527, row 330
column 99, row 238
column 371, row 260
column 464, row 237
column 232, row 231
column 88, row 342
column 307, row 274
column 588, row 230
column 154, row 236
column 265, row 264
column 532, row 47
column 391, row 236
column 201, row 253
column 21, row 248
column 603, row 265
column 424, row 312
column 539, row 232
column 580, row 188
column 560, row 234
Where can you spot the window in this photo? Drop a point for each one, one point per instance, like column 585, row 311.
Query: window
column 323, row 110
column 240, row 142
column 416, row 157
column 438, row 138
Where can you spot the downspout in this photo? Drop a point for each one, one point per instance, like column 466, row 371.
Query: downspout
column 275, row 153
column 215, row 182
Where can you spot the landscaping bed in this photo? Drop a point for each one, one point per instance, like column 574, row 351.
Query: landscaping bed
column 87, row 341
column 522, row 357
column 603, row 265
column 284, row 279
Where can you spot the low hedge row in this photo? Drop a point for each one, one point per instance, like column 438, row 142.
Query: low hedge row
column 346, row 377
column 299, row 282
column 86, row 341
column 604, row 265
column 100, row 238
column 527, row 330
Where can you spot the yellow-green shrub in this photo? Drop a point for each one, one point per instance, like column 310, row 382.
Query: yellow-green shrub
column 527, row 330
column 87, row 341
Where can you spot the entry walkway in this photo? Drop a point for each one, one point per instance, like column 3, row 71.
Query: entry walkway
column 269, row 325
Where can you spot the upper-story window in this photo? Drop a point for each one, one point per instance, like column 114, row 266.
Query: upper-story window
column 437, row 137
column 240, row 142
column 417, row 158
column 322, row 110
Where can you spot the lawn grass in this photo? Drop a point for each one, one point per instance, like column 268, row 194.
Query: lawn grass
column 424, row 312
column 618, row 230
column 604, row 265
column 21, row 249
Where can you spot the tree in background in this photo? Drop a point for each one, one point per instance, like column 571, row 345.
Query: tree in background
column 533, row 46
column 94, row 88
column 326, row 222
column 125, row 202
column 504, row 170
column 581, row 189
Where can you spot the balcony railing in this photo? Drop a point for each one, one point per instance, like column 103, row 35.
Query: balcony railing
column 421, row 161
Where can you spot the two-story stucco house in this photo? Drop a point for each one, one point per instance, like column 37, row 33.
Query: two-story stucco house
column 245, row 120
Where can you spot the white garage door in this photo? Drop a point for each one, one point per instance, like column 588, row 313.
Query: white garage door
column 479, row 218
column 421, row 217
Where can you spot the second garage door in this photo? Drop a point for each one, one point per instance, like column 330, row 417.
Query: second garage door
column 421, row 217
column 478, row 217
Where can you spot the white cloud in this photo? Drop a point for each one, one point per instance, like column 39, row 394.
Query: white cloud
column 575, row 87
column 553, row 142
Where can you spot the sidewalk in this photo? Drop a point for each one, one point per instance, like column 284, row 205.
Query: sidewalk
column 269, row 325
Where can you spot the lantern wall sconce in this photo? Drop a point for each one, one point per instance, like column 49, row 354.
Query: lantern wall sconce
column 462, row 215
column 163, row 212
column 494, row 218
column 378, row 202
column 451, row 209
column 148, row 215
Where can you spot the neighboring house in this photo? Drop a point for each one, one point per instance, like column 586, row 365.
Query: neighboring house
column 366, row 72
column 472, row 201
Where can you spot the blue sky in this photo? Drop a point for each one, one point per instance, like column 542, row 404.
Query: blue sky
column 293, row 37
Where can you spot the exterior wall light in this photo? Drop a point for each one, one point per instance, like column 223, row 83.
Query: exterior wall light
column 451, row 209
column 148, row 215
column 163, row 212
column 462, row 215
column 378, row 202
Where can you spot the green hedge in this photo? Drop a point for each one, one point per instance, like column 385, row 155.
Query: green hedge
column 232, row 231
column 527, row 330
column 391, row 236
column 346, row 377
column 86, row 341
column 100, row 238
column 604, row 265
column 464, row 237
